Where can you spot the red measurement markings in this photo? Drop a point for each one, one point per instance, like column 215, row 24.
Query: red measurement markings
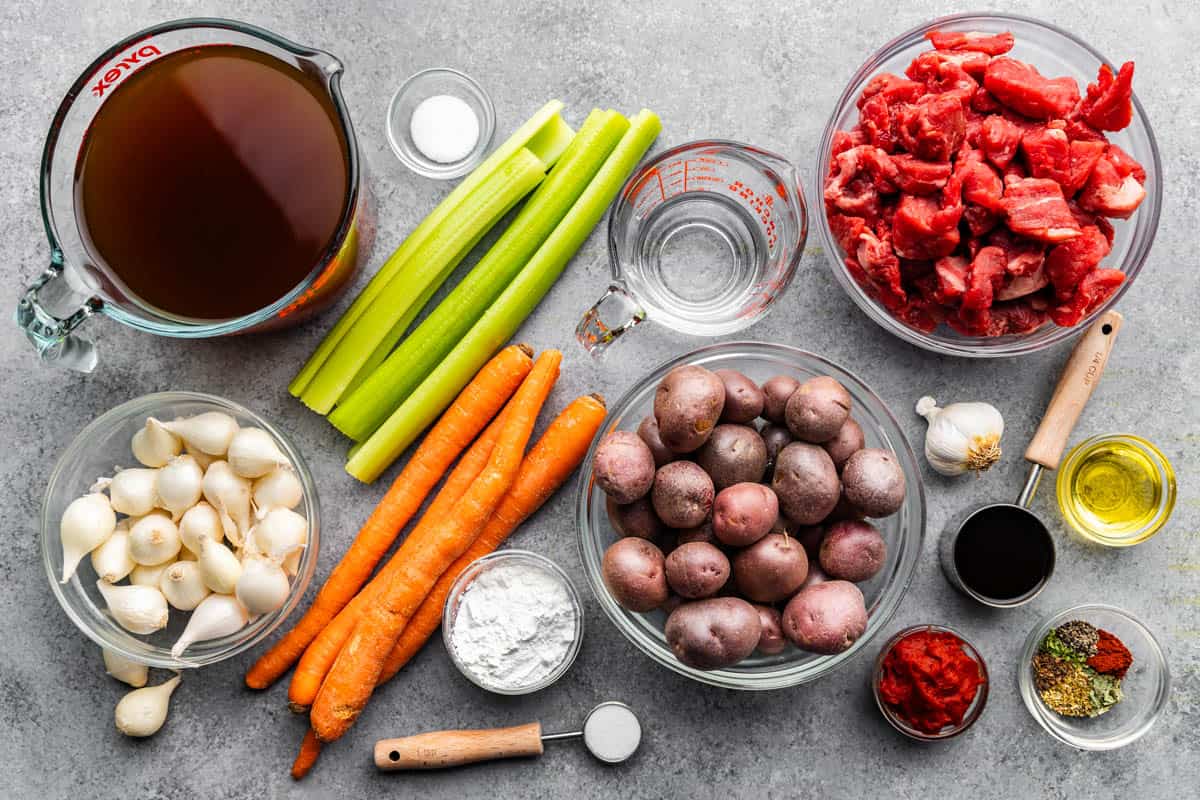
column 761, row 206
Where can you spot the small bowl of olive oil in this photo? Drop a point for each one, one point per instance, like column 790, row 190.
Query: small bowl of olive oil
column 1116, row 490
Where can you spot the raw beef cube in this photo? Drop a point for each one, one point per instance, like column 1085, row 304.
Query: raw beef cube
column 1021, row 285
column 983, row 102
column 875, row 119
column 1079, row 131
column 1109, row 102
column 920, row 315
column 933, row 127
column 985, row 278
column 915, row 176
column 1024, row 256
column 1048, row 154
column 1109, row 194
column 980, row 220
column 892, row 88
column 880, row 263
column 860, row 174
column 951, row 273
column 1025, row 90
column 1085, row 218
column 860, row 277
column 846, row 230
column 844, row 140
column 1036, row 208
column 981, row 184
column 1083, row 157
column 1070, row 261
column 1125, row 163
column 1095, row 288
column 999, row 140
column 973, row 322
column 1018, row 317
column 922, row 230
column 994, row 44
column 929, row 67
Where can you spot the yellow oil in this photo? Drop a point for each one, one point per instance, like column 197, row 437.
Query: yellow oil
column 1112, row 489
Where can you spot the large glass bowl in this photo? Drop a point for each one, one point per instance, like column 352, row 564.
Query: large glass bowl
column 903, row 531
column 1054, row 52
column 93, row 453
column 1146, row 687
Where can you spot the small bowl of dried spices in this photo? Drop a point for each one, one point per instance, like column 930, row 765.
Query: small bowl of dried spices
column 1094, row 677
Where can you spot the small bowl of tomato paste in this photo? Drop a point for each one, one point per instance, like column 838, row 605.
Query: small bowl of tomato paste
column 930, row 683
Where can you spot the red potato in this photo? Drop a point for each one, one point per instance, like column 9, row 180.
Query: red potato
column 744, row 513
column 825, row 618
column 733, row 454
column 633, row 570
column 771, row 569
column 713, row 633
column 853, row 550
column 776, row 392
column 687, row 404
column 806, row 482
column 775, row 437
column 848, row 441
column 874, row 482
column 817, row 410
column 770, row 641
column 743, row 398
column 682, row 494
column 634, row 519
column 696, row 569
column 623, row 466
column 648, row 431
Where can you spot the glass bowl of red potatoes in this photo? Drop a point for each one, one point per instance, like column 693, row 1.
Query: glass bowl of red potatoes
column 977, row 207
column 690, row 578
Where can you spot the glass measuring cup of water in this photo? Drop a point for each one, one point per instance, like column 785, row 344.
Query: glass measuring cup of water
column 702, row 239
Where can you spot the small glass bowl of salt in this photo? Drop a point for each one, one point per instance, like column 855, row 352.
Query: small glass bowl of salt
column 440, row 123
column 513, row 622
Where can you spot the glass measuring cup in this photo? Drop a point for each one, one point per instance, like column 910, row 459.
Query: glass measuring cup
column 702, row 239
column 77, row 285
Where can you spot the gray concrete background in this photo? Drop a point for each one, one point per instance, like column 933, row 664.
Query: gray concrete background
column 740, row 70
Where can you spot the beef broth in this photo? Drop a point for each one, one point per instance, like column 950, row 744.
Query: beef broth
column 212, row 181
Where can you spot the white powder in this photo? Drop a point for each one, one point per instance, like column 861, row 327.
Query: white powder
column 444, row 128
column 515, row 625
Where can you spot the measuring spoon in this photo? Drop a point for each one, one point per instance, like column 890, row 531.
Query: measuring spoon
column 1021, row 542
column 611, row 733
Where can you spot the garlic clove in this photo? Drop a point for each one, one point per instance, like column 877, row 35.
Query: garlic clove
column 217, row 615
column 263, row 586
column 154, row 539
column 201, row 521
column 142, row 712
column 125, row 669
column 279, row 488
column 86, row 524
column 209, row 432
column 154, row 445
column 183, row 585
column 179, row 485
column 229, row 494
column 111, row 560
column 131, row 491
column 961, row 437
column 253, row 453
column 219, row 567
column 280, row 533
column 137, row 609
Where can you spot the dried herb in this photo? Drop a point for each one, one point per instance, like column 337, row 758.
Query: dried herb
column 1079, row 636
column 1071, row 696
column 1048, row 670
column 1078, row 669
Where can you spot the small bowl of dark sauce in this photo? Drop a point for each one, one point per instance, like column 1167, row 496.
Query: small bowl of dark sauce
column 1001, row 555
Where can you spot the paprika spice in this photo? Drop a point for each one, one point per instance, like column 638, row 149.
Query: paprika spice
column 1112, row 657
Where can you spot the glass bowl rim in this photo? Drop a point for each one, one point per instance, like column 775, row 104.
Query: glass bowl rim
column 415, row 160
column 779, row 678
column 974, row 348
column 460, row 585
column 161, row 657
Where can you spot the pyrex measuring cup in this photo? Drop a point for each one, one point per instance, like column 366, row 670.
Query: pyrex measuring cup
column 78, row 285
column 702, row 240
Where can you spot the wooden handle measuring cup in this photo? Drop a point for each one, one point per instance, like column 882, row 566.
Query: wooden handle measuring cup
column 1079, row 378
column 441, row 749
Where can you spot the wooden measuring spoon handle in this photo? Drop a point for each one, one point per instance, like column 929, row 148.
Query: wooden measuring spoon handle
column 1075, row 386
column 454, row 748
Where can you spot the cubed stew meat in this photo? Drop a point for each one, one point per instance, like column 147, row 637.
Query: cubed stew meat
column 975, row 191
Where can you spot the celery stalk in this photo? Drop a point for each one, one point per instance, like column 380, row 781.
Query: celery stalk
column 365, row 408
column 501, row 321
column 545, row 134
column 431, row 264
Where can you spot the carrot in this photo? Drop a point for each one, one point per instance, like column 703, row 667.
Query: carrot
column 545, row 468
column 310, row 748
column 472, row 409
column 320, row 654
column 424, row 557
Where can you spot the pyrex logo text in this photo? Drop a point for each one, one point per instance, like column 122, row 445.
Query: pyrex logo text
column 126, row 64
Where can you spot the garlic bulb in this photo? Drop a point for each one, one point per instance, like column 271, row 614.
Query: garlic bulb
column 154, row 539
column 219, row 567
column 253, row 453
column 143, row 711
column 154, row 445
column 229, row 494
column 131, row 491
column 143, row 575
column 281, row 532
column 279, row 488
column 125, row 669
column 262, row 586
column 179, row 485
column 209, row 432
column 217, row 615
column 137, row 609
column 111, row 560
column 86, row 524
column 961, row 436
column 201, row 521
column 183, row 585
